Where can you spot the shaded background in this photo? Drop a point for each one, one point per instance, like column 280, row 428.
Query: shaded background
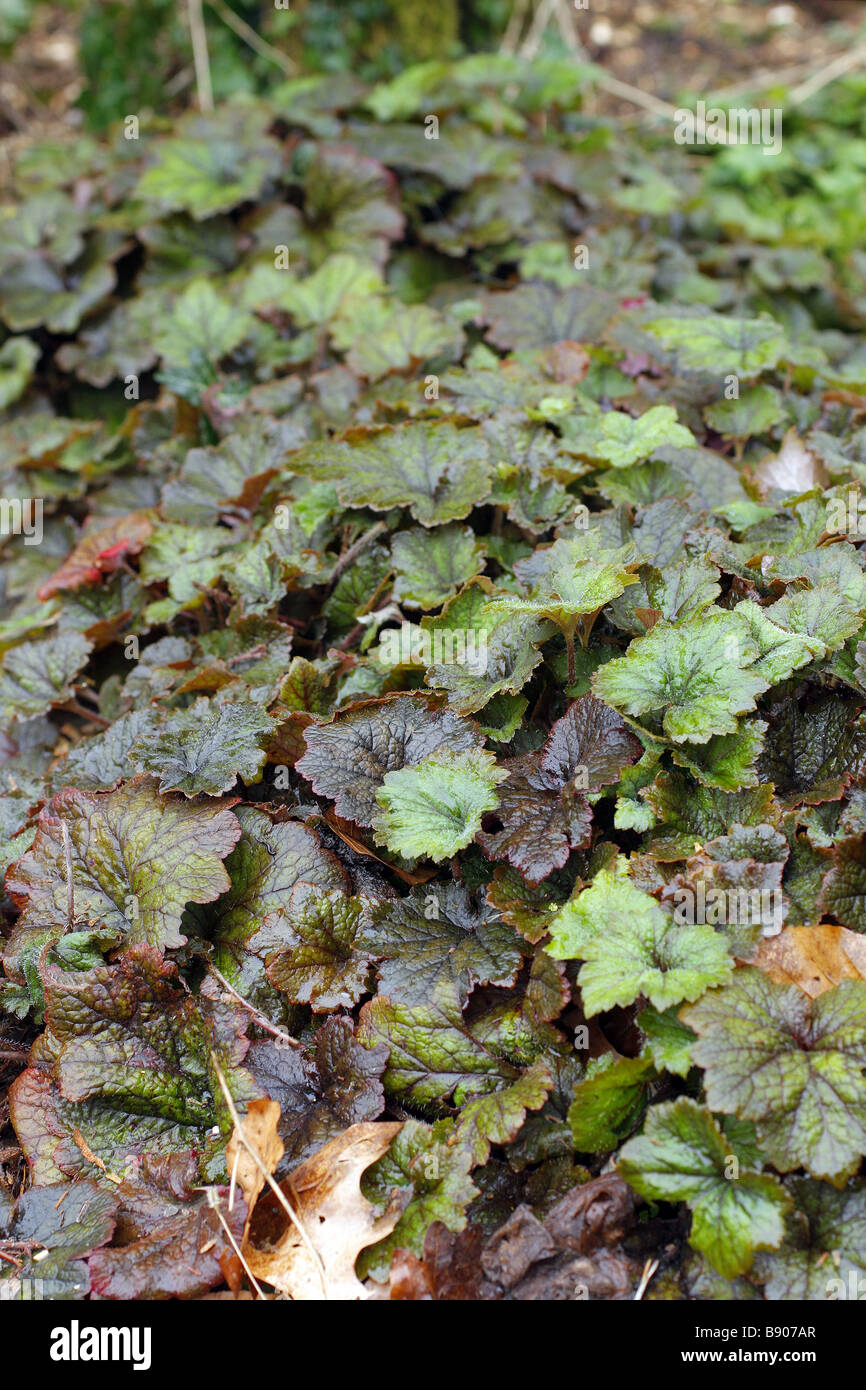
column 85, row 62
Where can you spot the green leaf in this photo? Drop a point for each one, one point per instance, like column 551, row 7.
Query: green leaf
column 128, row 1063
column 824, row 1252
column 780, row 652
column 204, row 748
column 683, row 1156
column 691, row 813
column 269, row 860
column 609, row 900
column 792, row 1064
column 431, row 566
column 435, row 933
column 203, row 327
column 822, row 615
column 229, row 477
column 726, row 761
column 18, row 357
column 755, row 411
column 348, row 759
column 379, row 337
column 505, row 650
column 424, row 1163
column 434, row 1055
column 536, row 315
column 668, row 1040
column 219, row 161
column 619, row 440
column 609, row 1101
column 438, row 470
column 721, row 345
column 318, row 298
column 314, row 948
column 350, row 204
column 38, row 675
column 662, row 963
column 678, row 591
column 137, row 859
column 435, row 808
column 573, row 585
column 496, row 1118
column 843, row 893
column 640, row 953
column 699, row 672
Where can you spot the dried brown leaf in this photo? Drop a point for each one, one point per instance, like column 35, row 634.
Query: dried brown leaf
column 325, row 1192
column 260, row 1131
column 815, row 958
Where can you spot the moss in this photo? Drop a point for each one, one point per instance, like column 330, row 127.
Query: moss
column 425, row 31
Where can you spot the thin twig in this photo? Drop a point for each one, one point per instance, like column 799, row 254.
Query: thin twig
column 354, row 550
column 254, row 654
column 275, row 1188
column 824, row 76
column 535, row 33
column 70, row 891
column 75, row 708
column 198, row 35
column 656, row 107
column 760, row 80
column 649, row 1270
column 567, row 26
column 213, row 1203
column 260, row 1018
column 248, row 34
column 513, row 30
column 635, row 95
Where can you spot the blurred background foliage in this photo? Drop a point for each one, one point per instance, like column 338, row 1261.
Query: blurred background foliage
column 133, row 54
column 96, row 60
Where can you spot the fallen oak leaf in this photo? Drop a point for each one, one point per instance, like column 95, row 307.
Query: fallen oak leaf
column 326, row 1193
column 814, row 958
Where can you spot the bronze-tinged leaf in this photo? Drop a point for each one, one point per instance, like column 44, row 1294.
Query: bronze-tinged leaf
column 101, row 551
column 349, row 758
column 186, row 1253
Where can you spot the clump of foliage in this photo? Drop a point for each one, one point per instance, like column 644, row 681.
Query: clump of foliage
column 423, row 613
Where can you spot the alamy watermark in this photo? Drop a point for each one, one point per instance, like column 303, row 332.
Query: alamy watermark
column 22, row 516
column 77, row 1343
column 852, row 1289
column 413, row 646
column 739, row 125
column 717, row 907
column 19, row 1288
column 846, row 516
